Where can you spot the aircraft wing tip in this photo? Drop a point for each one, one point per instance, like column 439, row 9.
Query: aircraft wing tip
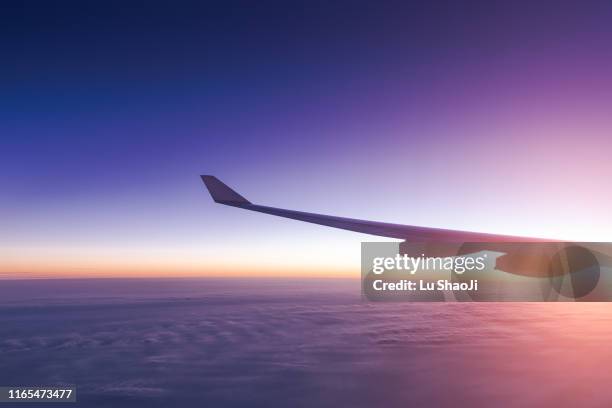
column 220, row 192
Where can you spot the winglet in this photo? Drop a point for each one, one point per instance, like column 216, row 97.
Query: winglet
column 221, row 193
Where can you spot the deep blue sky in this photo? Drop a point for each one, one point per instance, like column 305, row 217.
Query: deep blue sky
column 466, row 115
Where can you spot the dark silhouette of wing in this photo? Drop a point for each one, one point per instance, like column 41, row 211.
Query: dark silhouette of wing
column 222, row 194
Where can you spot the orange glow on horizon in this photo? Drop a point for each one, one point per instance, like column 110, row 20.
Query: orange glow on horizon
column 57, row 270
column 113, row 262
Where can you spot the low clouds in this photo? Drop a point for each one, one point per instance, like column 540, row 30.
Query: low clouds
column 309, row 343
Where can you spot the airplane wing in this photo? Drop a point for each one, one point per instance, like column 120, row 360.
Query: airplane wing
column 549, row 259
column 222, row 194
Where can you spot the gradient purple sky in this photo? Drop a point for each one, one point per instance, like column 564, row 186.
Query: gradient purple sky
column 493, row 118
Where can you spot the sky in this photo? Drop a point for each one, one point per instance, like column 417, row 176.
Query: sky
column 473, row 116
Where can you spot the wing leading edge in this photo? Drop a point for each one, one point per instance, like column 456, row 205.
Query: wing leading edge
column 222, row 194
